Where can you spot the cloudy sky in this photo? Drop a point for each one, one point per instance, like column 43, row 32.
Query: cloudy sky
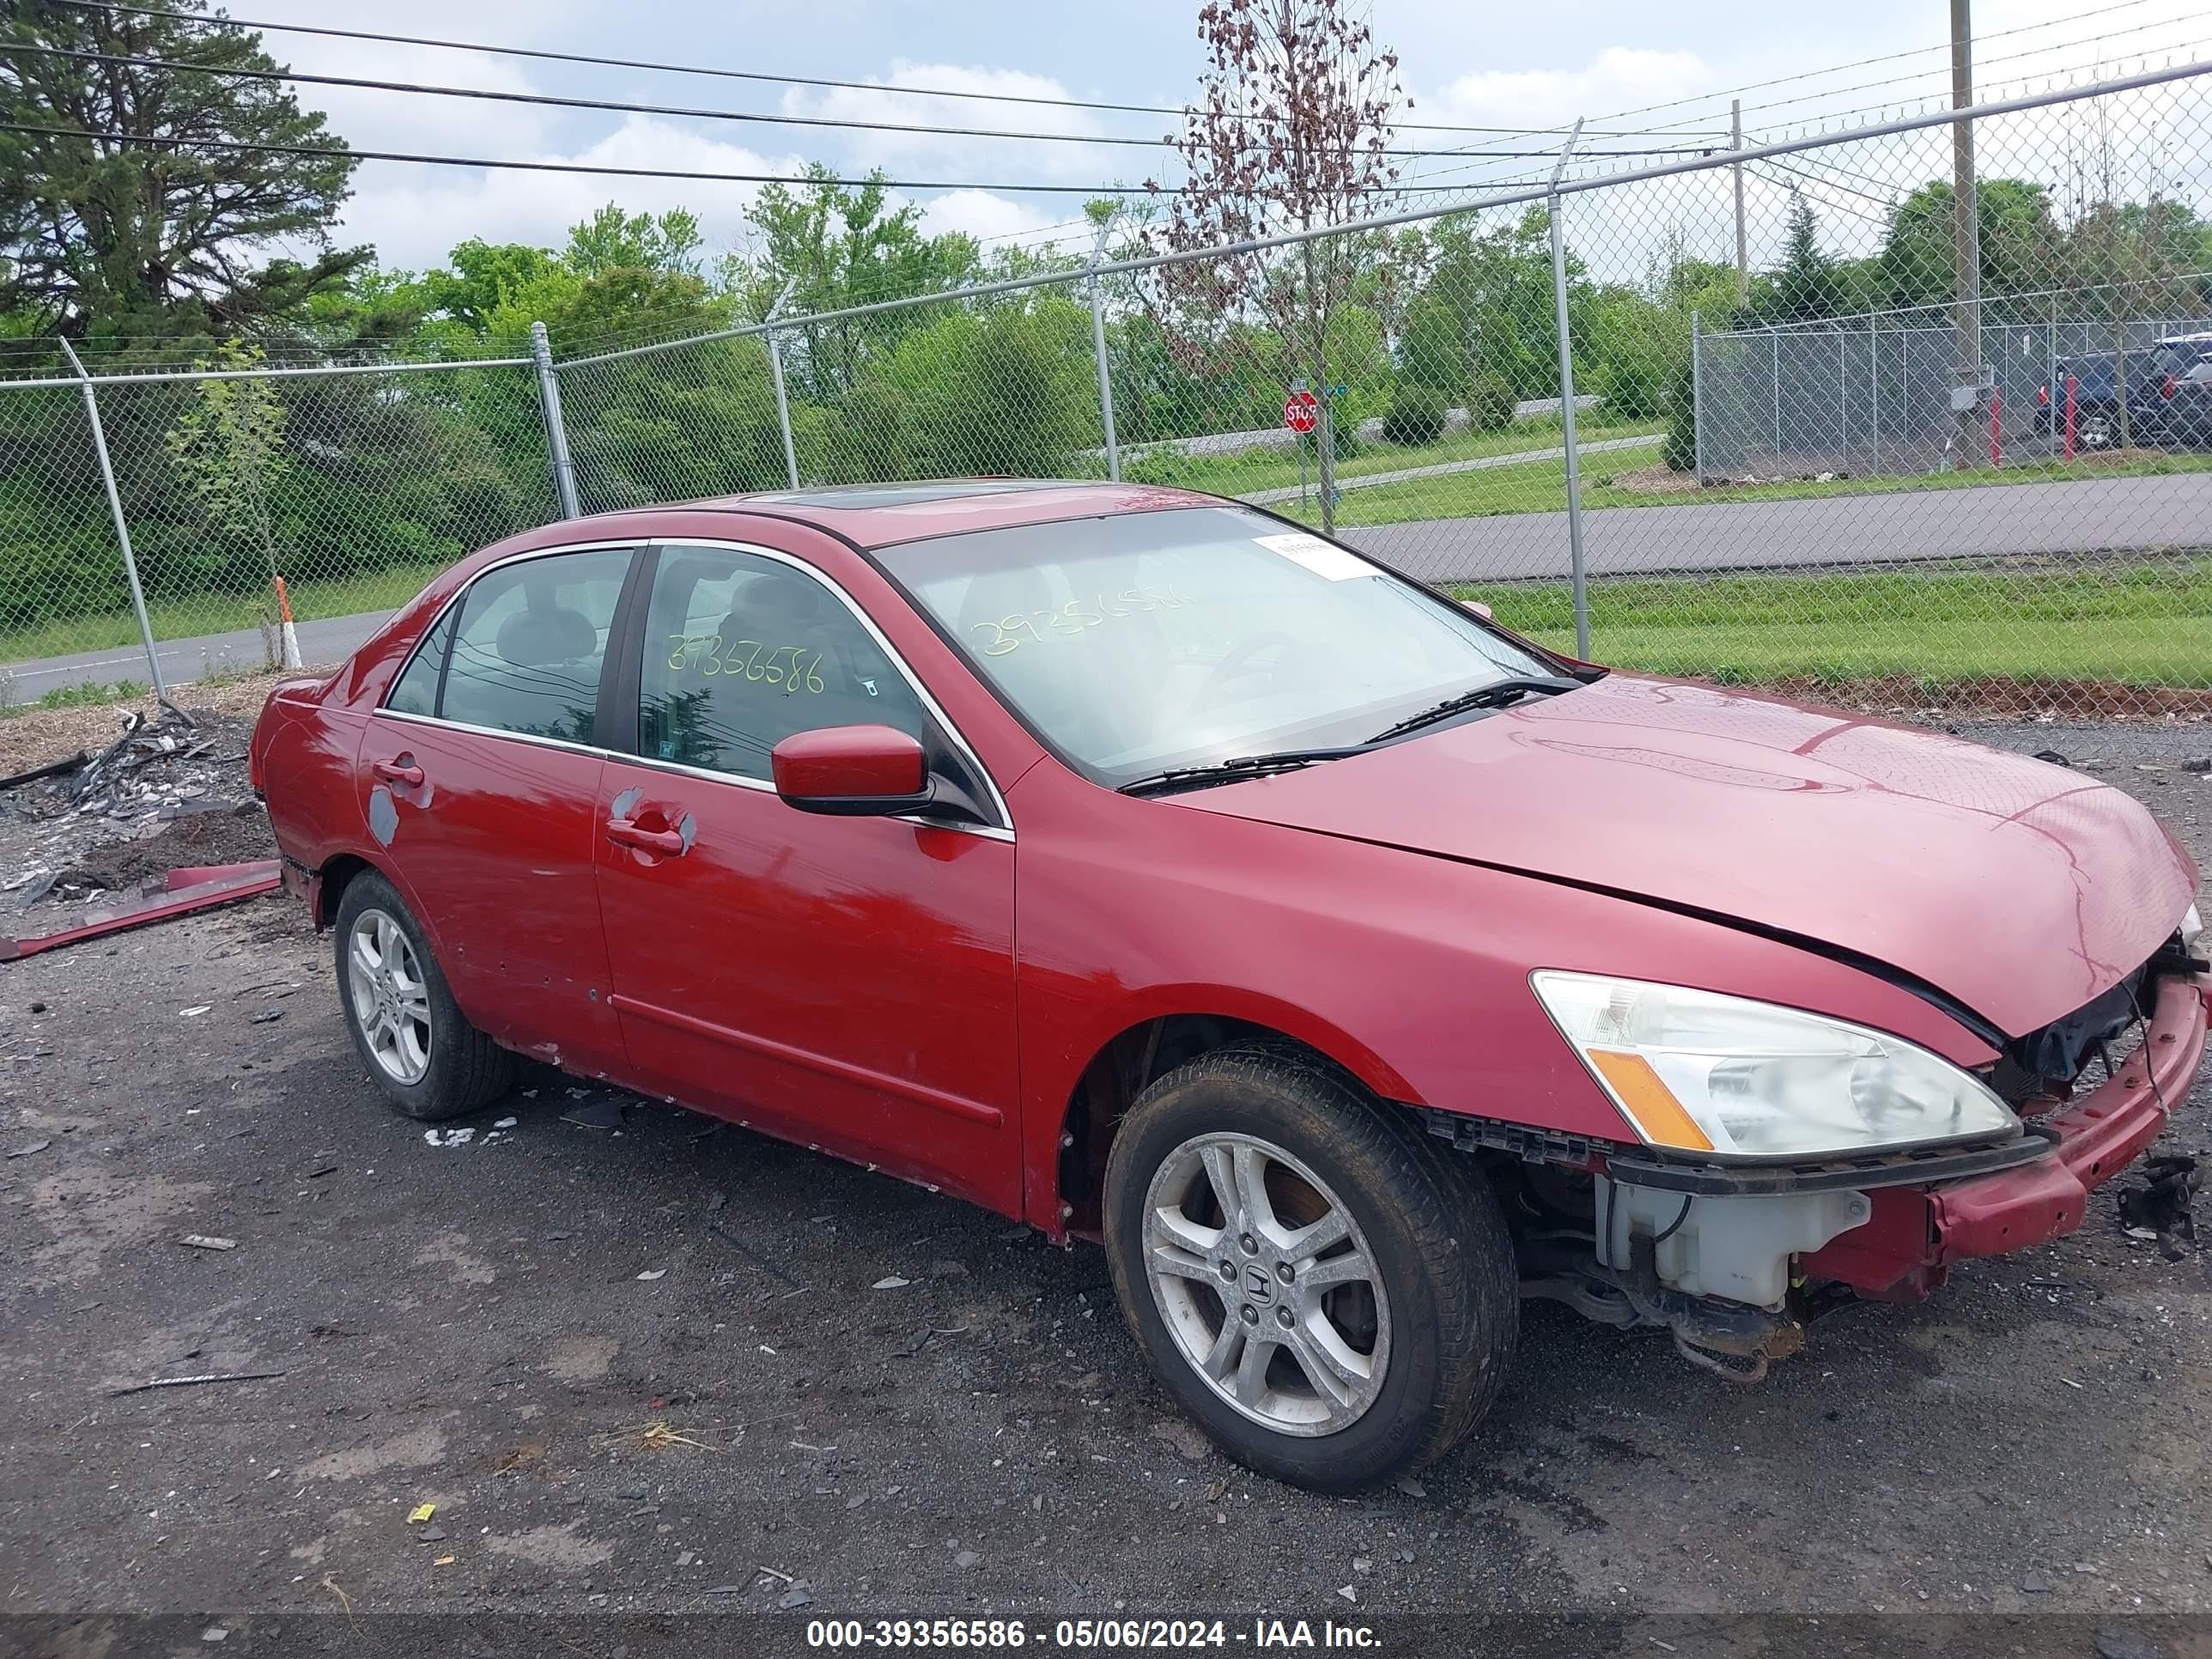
column 1626, row 64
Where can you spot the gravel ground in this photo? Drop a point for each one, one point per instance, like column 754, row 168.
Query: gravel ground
column 643, row 1370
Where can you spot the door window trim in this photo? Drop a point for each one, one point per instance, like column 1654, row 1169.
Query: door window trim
column 1001, row 830
column 631, row 545
column 625, row 639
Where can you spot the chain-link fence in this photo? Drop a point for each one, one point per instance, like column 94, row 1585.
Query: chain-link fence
column 1870, row 395
column 1787, row 444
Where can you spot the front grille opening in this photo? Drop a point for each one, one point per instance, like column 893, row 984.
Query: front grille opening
column 2081, row 1052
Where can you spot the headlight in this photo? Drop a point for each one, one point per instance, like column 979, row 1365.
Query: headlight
column 2193, row 942
column 1698, row 1071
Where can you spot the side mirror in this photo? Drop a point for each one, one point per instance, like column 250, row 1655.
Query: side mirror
column 1478, row 608
column 852, row 772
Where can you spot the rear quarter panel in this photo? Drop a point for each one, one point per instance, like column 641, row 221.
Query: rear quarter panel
column 302, row 758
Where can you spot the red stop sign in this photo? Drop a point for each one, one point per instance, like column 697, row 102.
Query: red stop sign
column 1302, row 411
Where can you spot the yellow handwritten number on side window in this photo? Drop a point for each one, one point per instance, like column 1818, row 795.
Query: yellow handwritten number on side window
column 785, row 666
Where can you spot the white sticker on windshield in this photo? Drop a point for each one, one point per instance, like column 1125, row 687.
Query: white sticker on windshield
column 1323, row 558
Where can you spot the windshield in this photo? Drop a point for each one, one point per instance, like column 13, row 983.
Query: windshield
column 1149, row 641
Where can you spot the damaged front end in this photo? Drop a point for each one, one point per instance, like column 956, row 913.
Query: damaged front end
column 1736, row 1256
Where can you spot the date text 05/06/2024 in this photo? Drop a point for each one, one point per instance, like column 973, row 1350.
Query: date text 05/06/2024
column 1086, row 1635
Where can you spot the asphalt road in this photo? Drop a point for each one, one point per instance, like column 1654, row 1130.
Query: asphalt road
column 883, row 1403
column 330, row 640
column 2088, row 516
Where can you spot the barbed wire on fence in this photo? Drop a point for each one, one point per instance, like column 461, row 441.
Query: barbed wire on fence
column 1803, row 456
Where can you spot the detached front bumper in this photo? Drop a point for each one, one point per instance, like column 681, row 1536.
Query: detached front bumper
column 1906, row 1249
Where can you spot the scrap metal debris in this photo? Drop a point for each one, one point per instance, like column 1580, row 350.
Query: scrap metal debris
column 239, row 881
column 2160, row 1211
column 108, row 779
column 194, row 1382
column 202, row 1242
column 51, row 769
column 597, row 1111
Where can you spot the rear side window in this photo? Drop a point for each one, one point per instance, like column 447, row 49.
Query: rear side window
column 741, row 652
column 527, row 649
column 416, row 693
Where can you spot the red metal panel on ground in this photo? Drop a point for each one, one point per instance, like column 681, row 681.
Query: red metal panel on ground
column 244, row 881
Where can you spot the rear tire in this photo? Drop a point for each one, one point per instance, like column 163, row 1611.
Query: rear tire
column 418, row 1046
column 1334, row 1367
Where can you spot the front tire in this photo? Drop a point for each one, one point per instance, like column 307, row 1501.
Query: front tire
column 1328, row 1293
column 418, row 1046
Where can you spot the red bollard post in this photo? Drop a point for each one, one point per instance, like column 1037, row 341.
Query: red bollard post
column 2070, row 384
column 1996, row 426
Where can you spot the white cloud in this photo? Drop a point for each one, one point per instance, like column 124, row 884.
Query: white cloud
column 412, row 219
column 990, row 219
column 939, row 154
column 1617, row 78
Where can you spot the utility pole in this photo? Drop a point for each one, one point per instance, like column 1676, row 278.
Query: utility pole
column 1966, row 241
column 1742, row 249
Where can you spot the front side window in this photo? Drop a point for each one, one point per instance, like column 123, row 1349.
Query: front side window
column 526, row 653
column 742, row 651
column 1149, row 641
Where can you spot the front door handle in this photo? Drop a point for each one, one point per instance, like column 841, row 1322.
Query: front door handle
column 403, row 771
column 625, row 832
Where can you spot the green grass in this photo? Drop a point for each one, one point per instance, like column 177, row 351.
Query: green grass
column 2145, row 623
column 1273, row 469
column 217, row 613
column 79, row 696
column 1541, row 487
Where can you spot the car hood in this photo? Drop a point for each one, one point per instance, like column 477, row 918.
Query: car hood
column 2017, row 888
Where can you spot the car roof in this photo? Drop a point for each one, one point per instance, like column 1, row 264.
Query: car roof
column 881, row 514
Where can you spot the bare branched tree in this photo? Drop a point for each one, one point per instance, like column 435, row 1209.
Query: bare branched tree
column 1289, row 133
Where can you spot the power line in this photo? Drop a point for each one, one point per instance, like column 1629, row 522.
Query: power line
column 547, row 55
column 578, row 167
column 1833, row 207
column 1941, row 70
column 1830, row 184
column 1862, row 63
column 688, row 112
column 1664, row 129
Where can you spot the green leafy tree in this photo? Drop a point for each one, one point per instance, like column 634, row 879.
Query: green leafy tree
column 2020, row 242
column 105, row 235
column 1487, row 308
column 226, row 449
column 1802, row 287
column 611, row 239
column 479, row 275
column 833, row 247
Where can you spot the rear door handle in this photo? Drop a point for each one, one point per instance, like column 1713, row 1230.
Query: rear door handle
column 403, row 771
column 669, row 843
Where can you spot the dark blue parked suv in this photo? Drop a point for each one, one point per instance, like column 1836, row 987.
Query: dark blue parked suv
column 2168, row 396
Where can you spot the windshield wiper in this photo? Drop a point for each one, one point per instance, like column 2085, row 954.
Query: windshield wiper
column 1241, row 766
column 1496, row 695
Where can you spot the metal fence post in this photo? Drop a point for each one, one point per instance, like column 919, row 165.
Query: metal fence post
column 1843, row 403
column 1774, row 338
column 122, row 524
column 1698, row 393
column 1098, row 347
column 1567, row 401
column 1874, row 388
column 775, row 374
column 557, row 433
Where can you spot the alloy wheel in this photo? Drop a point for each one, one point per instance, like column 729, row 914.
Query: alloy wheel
column 1266, row 1284
column 391, row 1003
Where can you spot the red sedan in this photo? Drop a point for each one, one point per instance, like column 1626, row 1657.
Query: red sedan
column 1141, row 865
